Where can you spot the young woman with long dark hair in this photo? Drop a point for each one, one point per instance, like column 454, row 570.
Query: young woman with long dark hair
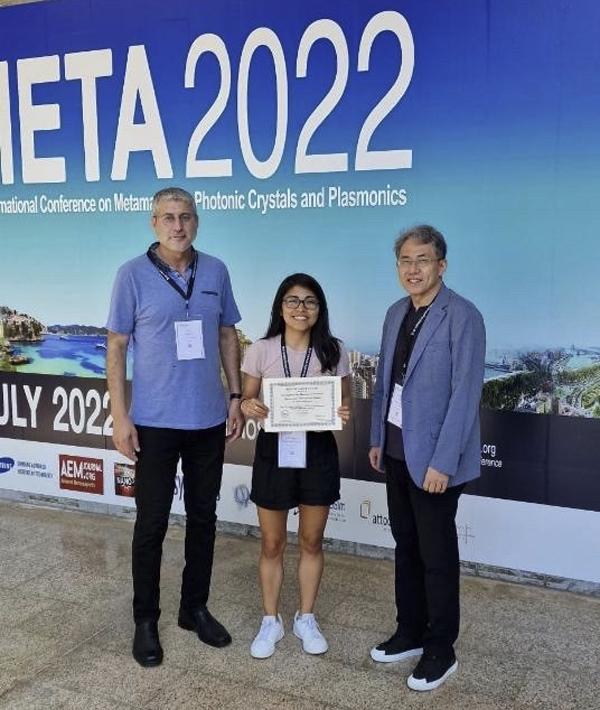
column 298, row 342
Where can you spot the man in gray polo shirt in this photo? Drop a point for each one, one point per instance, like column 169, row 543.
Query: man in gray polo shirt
column 176, row 306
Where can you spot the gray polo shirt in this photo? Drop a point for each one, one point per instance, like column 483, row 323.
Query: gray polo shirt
column 167, row 392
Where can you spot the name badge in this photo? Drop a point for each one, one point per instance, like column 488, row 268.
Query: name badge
column 395, row 411
column 291, row 449
column 189, row 339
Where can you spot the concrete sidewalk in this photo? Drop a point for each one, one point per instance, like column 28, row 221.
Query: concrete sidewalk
column 66, row 630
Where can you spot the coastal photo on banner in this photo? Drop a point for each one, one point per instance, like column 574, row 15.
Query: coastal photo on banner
column 310, row 135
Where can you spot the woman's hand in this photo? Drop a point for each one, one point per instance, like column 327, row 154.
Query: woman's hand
column 344, row 413
column 254, row 408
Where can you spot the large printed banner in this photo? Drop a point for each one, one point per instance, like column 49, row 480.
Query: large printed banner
column 309, row 135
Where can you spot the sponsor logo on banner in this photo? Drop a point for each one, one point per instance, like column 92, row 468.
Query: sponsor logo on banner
column 78, row 473
column 241, row 495
column 368, row 513
column 124, row 480
column 34, row 468
column 337, row 512
column 465, row 533
column 6, row 464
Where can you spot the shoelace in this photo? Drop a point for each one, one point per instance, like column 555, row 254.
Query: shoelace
column 312, row 627
column 265, row 628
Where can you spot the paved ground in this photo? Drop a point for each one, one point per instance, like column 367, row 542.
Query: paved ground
column 65, row 632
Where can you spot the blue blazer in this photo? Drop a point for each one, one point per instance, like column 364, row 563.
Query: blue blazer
column 442, row 388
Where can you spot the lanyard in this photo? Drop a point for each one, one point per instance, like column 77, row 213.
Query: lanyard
column 412, row 335
column 421, row 319
column 164, row 272
column 286, row 362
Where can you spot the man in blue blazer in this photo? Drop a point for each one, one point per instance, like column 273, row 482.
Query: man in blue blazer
column 425, row 436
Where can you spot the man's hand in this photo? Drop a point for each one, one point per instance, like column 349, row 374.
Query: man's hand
column 344, row 413
column 375, row 458
column 235, row 421
column 125, row 438
column 435, row 482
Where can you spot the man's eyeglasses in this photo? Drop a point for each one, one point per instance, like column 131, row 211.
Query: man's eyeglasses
column 185, row 217
column 420, row 263
column 293, row 302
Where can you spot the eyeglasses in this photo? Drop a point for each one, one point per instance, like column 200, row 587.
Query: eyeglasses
column 293, row 302
column 185, row 217
column 421, row 263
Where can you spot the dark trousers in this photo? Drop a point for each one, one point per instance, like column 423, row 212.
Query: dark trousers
column 201, row 452
column 427, row 562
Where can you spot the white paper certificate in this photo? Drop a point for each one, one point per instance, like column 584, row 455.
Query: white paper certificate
column 302, row 403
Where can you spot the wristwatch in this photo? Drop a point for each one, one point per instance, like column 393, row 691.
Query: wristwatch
column 235, row 395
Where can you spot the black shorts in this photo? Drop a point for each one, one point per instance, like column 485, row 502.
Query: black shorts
column 277, row 488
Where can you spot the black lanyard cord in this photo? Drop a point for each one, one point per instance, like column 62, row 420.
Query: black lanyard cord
column 286, row 362
column 162, row 270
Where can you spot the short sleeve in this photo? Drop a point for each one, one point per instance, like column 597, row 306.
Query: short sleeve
column 253, row 360
column 121, row 315
column 343, row 366
column 230, row 314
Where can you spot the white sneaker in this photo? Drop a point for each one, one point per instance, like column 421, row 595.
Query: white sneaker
column 307, row 629
column 270, row 632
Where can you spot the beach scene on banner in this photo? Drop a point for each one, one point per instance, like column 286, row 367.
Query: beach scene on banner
column 551, row 380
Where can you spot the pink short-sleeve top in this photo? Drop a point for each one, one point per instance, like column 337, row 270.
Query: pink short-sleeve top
column 263, row 359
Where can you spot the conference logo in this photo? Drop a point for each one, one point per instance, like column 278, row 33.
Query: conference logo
column 241, row 495
column 124, row 480
column 78, row 473
column 6, row 463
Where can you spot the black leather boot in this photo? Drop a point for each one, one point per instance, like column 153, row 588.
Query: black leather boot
column 147, row 650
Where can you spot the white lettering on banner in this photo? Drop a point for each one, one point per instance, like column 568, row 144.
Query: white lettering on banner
column 385, row 159
column 65, row 205
column 77, row 411
column 9, row 411
column 251, row 429
column 327, row 197
column 134, row 137
column 488, row 456
column 7, row 174
column 149, row 135
column 131, row 203
column 74, row 411
column 33, row 399
column 208, row 168
column 323, row 162
column 262, row 37
column 87, row 67
column 38, row 117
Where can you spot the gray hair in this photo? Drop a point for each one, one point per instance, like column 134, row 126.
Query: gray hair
column 173, row 193
column 422, row 234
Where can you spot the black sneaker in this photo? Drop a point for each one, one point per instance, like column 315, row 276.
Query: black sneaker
column 431, row 671
column 396, row 648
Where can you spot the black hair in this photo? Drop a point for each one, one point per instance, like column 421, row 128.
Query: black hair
column 423, row 234
column 326, row 347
